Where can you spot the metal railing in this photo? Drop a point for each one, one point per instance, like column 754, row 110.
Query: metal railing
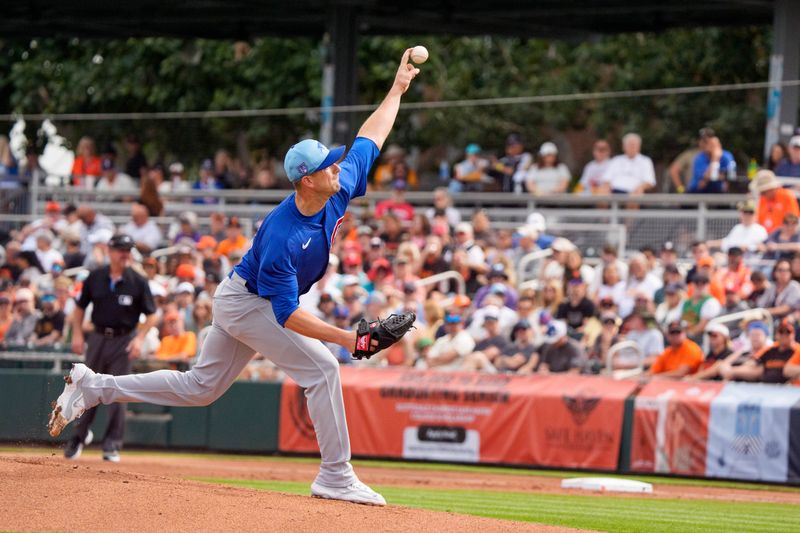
column 528, row 259
column 624, row 373
column 56, row 358
column 445, row 276
column 748, row 315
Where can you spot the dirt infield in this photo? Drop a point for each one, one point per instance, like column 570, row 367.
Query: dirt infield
column 151, row 493
column 51, row 494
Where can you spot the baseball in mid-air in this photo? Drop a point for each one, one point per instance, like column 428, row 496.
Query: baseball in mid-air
column 419, row 54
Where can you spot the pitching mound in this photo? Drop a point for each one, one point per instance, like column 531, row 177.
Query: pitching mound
column 50, row 494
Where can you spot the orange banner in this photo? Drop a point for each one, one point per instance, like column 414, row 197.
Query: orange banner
column 556, row 420
column 670, row 427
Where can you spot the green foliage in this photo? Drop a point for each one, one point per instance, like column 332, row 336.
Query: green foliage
column 159, row 74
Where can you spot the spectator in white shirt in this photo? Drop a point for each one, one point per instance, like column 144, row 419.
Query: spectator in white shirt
column 747, row 234
column 449, row 350
column 592, row 178
column 45, row 252
column 113, row 180
column 630, row 172
column 145, row 233
column 442, row 205
column 639, row 281
column 548, row 175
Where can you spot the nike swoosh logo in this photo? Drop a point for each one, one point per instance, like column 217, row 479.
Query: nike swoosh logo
column 307, row 243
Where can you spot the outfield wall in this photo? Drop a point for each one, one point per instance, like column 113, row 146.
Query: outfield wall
column 734, row 430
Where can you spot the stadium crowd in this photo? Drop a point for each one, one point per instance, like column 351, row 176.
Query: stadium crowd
column 651, row 310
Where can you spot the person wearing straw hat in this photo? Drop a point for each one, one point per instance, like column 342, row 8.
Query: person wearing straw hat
column 774, row 201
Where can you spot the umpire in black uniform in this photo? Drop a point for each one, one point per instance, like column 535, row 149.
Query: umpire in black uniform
column 119, row 296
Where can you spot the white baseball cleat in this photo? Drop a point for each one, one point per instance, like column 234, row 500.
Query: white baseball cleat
column 357, row 492
column 70, row 405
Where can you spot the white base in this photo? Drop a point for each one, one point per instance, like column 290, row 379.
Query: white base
column 607, row 484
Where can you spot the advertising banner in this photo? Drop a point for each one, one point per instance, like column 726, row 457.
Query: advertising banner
column 749, row 432
column 670, row 427
column 556, row 420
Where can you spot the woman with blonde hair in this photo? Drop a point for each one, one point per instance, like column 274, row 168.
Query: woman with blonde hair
column 87, row 164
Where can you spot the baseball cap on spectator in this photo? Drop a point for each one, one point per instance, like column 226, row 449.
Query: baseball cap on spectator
column 472, row 149
column 157, row 289
column 376, row 297
column 399, row 185
column 188, row 217
column 758, row 324
column 48, row 298
column 673, row 288
column 352, row 259
column 423, row 343
column 377, row 265
column 52, row 207
column 4, row 299
column 375, row 242
column 795, row 141
column 677, row 326
column 464, row 227
column 234, row 222
column 548, row 148
column 491, row 313
column 71, row 235
column 497, row 270
column 212, row 276
column 719, row 328
column 101, row 236
column 349, row 279
column 735, row 250
column 701, row 279
column 461, row 300
column 785, row 325
column 108, row 164
column 206, row 241
column 121, row 241
column 172, row 315
column 340, row 311
column 560, row 244
column 610, row 318
column 207, row 164
column 576, row 279
column 23, row 295
column 309, row 156
column 765, row 180
column 185, row 271
column 706, row 261
column 409, row 287
column 556, row 330
column 537, row 222
column 364, row 230
column 668, row 246
column 513, row 138
column 176, row 168
column 522, row 324
column 497, row 288
column 606, row 301
column 439, row 229
column 672, row 269
column 183, row 287
column 452, row 318
column 746, row 206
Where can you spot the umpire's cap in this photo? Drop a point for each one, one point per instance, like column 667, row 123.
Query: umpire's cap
column 121, row 241
column 309, row 156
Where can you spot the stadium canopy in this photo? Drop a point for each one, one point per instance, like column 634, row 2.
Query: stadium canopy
column 344, row 20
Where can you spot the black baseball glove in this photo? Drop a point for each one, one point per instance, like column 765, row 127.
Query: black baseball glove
column 383, row 332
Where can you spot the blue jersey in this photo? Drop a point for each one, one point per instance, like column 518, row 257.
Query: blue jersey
column 290, row 251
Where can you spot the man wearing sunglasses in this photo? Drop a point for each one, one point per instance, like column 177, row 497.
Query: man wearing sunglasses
column 681, row 357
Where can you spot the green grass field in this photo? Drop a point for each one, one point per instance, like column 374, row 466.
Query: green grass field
column 606, row 513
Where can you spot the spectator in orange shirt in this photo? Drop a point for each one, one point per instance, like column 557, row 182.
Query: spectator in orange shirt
column 6, row 316
column 705, row 268
column 681, row 358
column 177, row 343
column 736, row 276
column 86, row 163
column 234, row 240
column 792, row 369
column 775, row 201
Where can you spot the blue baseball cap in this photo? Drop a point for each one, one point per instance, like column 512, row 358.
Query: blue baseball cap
column 309, row 156
column 759, row 325
column 472, row 149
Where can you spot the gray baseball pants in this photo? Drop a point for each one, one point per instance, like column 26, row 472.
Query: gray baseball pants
column 244, row 324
